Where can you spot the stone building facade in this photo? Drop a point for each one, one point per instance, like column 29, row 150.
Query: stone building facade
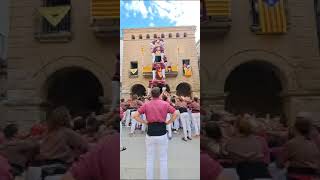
column 69, row 64
column 179, row 45
column 287, row 62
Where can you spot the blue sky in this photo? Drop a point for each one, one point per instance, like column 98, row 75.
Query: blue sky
column 159, row 13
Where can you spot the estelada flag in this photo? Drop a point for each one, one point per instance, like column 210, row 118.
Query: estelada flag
column 272, row 16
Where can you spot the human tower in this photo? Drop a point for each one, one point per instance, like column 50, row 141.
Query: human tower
column 159, row 64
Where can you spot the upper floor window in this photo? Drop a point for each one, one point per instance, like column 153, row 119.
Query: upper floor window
column 177, row 35
column 255, row 12
column 155, row 36
column 140, row 36
column 162, row 35
column 184, row 34
column 57, row 18
column 148, row 36
column 170, row 35
column 133, row 37
column 317, row 13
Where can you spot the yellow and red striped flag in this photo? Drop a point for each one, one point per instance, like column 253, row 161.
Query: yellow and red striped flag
column 105, row 9
column 272, row 16
column 218, row 8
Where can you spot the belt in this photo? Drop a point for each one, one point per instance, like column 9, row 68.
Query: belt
column 183, row 110
column 302, row 171
column 195, row 111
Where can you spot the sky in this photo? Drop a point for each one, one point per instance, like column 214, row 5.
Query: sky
column 160, row 13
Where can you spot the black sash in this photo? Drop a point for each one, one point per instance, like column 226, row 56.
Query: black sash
column 183, row 110
column 302, row 171
column 157, row 129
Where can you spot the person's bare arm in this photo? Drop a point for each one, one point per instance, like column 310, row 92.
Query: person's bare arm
column 68, row 176
column 173, row 118
column 137, row 117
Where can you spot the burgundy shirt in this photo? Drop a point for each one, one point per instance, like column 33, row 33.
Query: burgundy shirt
column 209, row 168
column 102, row 163
column 5, row 169
column 156, row 110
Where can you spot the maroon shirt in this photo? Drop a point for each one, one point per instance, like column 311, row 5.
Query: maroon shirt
column 156, row 110
column 209, row 168
column 102, row 163
column 5, row 169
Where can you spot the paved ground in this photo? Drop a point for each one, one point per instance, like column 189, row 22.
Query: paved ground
column 183, row 157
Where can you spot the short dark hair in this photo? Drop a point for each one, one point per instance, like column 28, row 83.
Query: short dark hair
column 122, row 100
column 10, row 130
column 164, row 97
column 155, row 92
column 196, row 99
column 213, row 131
column 303, row 125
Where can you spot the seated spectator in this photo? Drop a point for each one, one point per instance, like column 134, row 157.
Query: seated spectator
column 248, row 151
column 96, row 163
column 301, row 152
column 61, row 142
column 216, row 141
column 210, row 169
column 18, row 152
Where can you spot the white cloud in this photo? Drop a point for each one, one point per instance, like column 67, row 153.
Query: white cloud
column 182, row 13
column 137, row 7
column 151, row 24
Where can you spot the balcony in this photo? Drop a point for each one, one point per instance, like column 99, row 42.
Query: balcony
column 105, row 17
column 53, row 24
column 173, row 72
column 216, row 16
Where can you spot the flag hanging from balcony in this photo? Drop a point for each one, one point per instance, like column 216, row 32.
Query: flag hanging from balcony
column 134, row 71
column 105, row 8
column 217, row 8
column 272, row 16
column 55, row 14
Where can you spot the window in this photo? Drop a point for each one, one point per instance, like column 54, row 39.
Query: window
column 148, row 36
column 317, row 13
column 134, row 65
column 184, row 34
column 170, row 35
column 177, row 35
column 64, row 25
column 133, row 68
column 133, row 37
column 155, row 36
column 140, row 36
column 162, row 35
column 186, row 62
column 255, row 13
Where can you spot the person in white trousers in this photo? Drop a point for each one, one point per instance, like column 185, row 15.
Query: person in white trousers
column 156, row 139
column 195, row 109
column 169, row 127
column 185, row 119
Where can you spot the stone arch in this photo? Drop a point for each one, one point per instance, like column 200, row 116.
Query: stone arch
column 138, row 89
column 40, row 77
column 184, row 89
column 285, row 73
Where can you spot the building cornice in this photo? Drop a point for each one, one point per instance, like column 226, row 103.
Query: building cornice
column 159, row 29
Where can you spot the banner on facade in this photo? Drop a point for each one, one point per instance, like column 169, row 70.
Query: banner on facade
column 55, row 14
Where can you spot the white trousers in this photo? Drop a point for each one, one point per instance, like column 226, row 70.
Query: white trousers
column 133, row 124
column 127, row 117
column 176, row 123
column 169, row 126
column 185, row 120
column 196, row 122
column 144, row 126
column 120, row 135
column 154, row 143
